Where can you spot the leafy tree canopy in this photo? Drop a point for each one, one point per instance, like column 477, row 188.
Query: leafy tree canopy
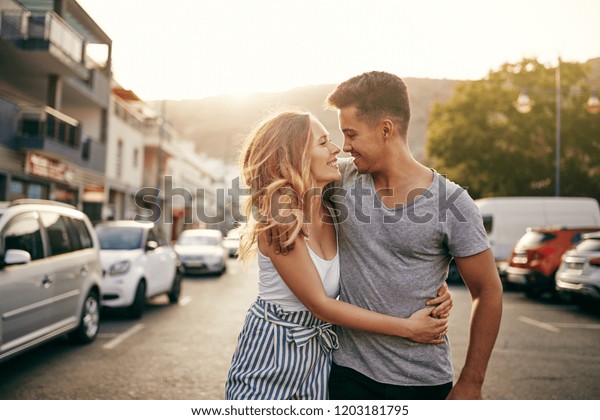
column 480, row 140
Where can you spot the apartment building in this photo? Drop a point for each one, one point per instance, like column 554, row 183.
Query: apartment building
column 187, row 182
column 54, row 100
column 127, row 125
column 69, row 132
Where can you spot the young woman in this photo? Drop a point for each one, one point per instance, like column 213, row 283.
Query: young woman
column 284, row 349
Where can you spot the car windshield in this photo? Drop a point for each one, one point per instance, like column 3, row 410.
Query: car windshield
column 589, row 245
column 198, row 240
column 119, row 238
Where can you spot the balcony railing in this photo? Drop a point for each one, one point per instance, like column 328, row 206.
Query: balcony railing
column 27, row 29
column 13, row 25
column 47, row 123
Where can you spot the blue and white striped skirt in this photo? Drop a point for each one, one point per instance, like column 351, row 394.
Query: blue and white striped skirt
column 281, row 355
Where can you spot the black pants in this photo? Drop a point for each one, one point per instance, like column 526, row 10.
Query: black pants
column 348, row 384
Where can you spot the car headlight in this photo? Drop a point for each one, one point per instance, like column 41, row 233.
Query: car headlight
column 120, row 267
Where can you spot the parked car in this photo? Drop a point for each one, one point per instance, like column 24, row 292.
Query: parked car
column 506, row 218
column 537, row 256
column 138, row 264
column 232, row 243
column 50, row 275
column 201, row 251
column 579, row 272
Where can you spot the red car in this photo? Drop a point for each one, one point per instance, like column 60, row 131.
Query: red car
column 536, row 257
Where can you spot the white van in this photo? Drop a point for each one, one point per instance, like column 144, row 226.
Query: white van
column 507, row 218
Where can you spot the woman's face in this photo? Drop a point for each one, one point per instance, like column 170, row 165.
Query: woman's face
column 323, row 155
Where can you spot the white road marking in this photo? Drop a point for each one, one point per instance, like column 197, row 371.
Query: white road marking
column 123, row 336
column 185, row 300
column 578, row 325
column 539, row 324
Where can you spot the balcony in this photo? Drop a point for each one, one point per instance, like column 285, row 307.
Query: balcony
column 58, row 135
column 48, row 36
column 50, row 131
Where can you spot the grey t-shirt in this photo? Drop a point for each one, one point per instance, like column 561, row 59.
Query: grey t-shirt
column 392, row 262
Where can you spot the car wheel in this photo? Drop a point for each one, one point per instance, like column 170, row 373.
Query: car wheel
column 89, row 320
column 176, row 289
column 137, row 307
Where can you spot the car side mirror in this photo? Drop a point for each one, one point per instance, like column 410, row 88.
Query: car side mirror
column 16, row 257
column 151, row 246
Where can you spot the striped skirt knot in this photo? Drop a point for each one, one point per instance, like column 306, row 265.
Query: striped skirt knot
column 325, row 335
column 299, row 330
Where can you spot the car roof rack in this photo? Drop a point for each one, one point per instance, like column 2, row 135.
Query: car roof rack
column 23, row 201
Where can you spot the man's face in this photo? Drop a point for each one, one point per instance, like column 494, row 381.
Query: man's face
column 360, row 140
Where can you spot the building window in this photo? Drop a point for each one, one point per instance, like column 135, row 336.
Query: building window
column 34, row 191
column 23, row 189
column 17, row 188
column 86, row 149
column 119, row 168
column 135, row 157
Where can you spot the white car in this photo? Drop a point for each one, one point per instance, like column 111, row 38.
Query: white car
column 201, row 251
column 50, row 275
column 138, row 264
column 579, row 272
column 232, row 243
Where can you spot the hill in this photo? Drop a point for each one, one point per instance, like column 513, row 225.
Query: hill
column 219, row 124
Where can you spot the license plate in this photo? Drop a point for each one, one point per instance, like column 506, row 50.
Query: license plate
column 195, row 264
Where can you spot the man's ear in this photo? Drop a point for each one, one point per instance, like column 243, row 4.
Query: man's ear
column 387, row 128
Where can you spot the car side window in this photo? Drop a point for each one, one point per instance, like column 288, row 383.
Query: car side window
column 23, row 232
column 81, row 233
column 488, row 223
column 58, row 234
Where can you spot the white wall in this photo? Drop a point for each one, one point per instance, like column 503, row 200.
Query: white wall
column 133, row 138
column 89, row 117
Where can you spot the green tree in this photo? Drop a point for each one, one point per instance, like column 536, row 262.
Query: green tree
column 482, row 142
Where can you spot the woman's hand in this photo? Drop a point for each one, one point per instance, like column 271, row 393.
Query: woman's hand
column 426, row 329
column 442, row 303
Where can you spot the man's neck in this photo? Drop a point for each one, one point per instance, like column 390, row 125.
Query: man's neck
column 401, row 179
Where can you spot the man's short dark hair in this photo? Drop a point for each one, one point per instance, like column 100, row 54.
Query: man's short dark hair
column 376, row 95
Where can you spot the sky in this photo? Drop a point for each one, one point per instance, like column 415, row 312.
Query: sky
column 190, row 49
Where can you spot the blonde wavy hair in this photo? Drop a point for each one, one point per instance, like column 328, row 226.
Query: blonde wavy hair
column 275, row 165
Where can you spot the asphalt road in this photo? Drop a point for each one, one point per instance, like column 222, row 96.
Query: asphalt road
column 544, row 351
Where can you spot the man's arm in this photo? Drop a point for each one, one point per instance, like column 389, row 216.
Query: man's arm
column 481, row 277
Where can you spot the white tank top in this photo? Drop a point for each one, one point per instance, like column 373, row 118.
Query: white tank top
column 272, row 288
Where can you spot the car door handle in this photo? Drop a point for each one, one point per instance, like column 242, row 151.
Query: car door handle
column 47, row 281
column 84, row 270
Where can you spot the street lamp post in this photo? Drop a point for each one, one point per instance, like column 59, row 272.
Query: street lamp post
column 524, row 105
column 557, row 134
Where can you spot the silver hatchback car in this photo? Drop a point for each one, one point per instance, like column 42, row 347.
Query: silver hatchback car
column 579, row 272
column 50, row 275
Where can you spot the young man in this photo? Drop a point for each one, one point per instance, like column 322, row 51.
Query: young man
column 400, row 224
